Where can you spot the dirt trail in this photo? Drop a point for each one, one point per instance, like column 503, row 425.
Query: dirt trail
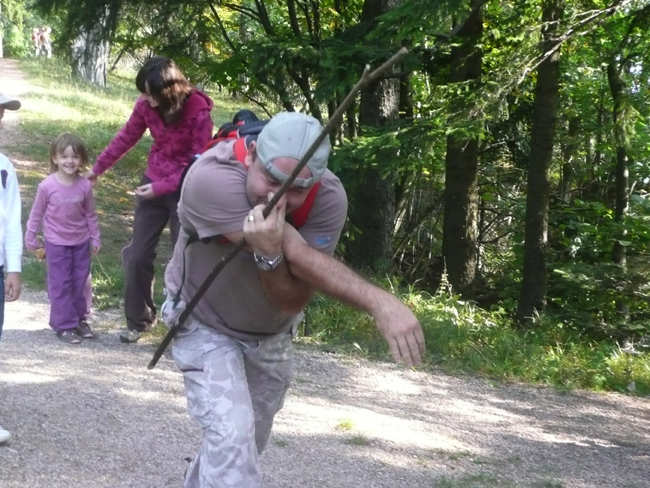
column 94, row 416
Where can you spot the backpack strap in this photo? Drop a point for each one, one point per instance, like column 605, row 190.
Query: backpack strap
column 240, row 149
column 298, row 217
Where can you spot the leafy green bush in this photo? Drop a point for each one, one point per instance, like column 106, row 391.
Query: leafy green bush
column 586, row 290
column 463, row 337
column 16, row 44
column 587, row 298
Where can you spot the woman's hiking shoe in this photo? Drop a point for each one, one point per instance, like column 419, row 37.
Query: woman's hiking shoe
column 69, row 336
column 128, row 335
column 84, row 330
column 5, row 435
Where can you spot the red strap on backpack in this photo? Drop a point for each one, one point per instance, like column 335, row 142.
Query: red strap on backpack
column 299, row 216
column 240, row 150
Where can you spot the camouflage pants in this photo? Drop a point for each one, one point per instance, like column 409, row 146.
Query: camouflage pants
column 234, row 389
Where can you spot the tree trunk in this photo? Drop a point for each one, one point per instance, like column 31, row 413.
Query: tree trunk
column 460, row 226
column 533, row 291
column 621, row 207
column 622, row 172
column 374, row 213
column 90, row 52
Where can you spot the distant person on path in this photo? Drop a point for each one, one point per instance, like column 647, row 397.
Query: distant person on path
column 11, row 235
column 45, row 40
column 178, row 118
column 235, row 350
column 65, row 207
column 36, row 41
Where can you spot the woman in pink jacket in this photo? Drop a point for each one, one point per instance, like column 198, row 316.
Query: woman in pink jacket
column 178, row 118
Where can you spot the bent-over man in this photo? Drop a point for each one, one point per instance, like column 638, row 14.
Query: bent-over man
column 235, row 350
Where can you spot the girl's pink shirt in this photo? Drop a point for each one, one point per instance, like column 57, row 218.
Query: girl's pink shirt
column 67, row 213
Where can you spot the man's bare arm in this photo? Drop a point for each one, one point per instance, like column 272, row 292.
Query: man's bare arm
column 395, row 321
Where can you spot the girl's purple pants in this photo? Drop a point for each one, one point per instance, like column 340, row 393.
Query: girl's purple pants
column 67, row 274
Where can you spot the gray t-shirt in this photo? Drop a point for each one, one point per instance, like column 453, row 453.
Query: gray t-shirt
column 213, row 202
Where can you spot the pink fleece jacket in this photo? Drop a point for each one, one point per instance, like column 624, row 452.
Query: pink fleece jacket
column 174, row 145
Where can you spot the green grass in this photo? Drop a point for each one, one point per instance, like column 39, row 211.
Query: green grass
column 281, row 442
column 481, row 480
column 345, row 425
column 464, row 338
column 357, row 440
column 547, row 484
column 485, row 480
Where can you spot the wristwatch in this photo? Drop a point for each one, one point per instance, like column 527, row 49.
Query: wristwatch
column 267, row 264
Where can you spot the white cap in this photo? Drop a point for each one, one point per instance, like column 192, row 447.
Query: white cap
column 290, row 135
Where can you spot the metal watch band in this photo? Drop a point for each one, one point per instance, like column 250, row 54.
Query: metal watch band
column 267, row 264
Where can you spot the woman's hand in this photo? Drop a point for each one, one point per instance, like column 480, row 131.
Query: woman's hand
column 90, row 176
column 145, row 191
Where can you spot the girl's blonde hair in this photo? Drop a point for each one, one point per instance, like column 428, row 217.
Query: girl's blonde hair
column 61, row 143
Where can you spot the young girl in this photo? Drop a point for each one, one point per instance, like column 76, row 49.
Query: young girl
column 65, row 206
column 178, row 118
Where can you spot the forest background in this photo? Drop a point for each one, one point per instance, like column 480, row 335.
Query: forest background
column 499, row 178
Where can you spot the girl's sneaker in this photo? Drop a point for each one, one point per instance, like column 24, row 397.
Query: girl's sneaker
column 68, row 336
column 84, row 330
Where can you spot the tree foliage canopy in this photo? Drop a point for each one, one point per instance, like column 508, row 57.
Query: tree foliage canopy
column 305, row 55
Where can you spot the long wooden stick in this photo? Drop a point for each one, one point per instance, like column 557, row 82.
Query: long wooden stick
column 366, row 78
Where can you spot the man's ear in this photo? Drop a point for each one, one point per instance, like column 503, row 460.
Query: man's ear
column 250, row 154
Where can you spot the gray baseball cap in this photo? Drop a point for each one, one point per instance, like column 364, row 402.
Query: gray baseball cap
column 289, row 135
column 9, row 103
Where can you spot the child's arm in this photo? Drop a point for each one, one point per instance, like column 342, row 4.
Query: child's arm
column 13, row 238
column 91, row 218
column 33, row 226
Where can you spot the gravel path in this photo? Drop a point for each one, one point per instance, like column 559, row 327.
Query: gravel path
column 93, row 416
